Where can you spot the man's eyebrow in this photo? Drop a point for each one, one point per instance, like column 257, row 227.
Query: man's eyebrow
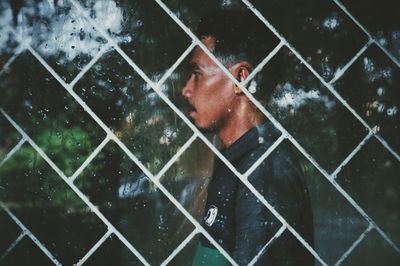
column 192, row 66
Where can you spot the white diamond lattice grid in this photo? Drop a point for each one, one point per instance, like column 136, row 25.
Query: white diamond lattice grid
column 197, row 134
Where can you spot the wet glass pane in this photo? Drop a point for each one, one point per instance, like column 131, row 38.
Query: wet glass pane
column 310, row 113
column 186, row 255
column 371, row 86
column 188, row 178
column 27, row 253
column 8, row 42
column 319, row 30
column 48, row 207
column 57, row 31
column 373, row 250
column 9, row 137
column 331, row 212
column 55, row 120
column 372, row 180
column 174, row 85
column 148, row 220
column 259, row 40
column 113, row 252
column 380, row 19
column 49, row 115
column 277, row 252
column 143, row 30
column 9, row 231
column 139, row 117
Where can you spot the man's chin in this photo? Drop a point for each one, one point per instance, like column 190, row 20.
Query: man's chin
column 208, row 130
column 205, row 128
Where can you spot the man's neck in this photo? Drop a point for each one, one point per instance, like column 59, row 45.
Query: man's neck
column 237, row 128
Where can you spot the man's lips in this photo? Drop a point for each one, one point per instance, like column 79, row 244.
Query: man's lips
column 191, row 109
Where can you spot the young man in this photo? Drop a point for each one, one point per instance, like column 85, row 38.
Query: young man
column 234, row 217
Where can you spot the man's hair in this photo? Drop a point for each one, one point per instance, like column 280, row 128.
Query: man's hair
column 239, row 36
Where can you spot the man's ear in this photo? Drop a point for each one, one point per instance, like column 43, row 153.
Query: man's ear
column 241, row 71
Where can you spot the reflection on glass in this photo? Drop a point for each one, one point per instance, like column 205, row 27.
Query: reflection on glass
column 310, row 113
column 27, row 253
column 143, row 30
column 372, row 180
column 186, row 255
column 373, row 250
column 56, row 30
column 9, row 231
column 192, row 12
column 144, row 123
column 113, row 252
column 48, row 207
column 319, row 30
column 148, row 220
column 371, row 87
column 380, row 20
column 49, row 115
column 8, row 42
column 331, row 211
column 67, row 134
column 188, row 178
column 9, row 137
column 279, row 252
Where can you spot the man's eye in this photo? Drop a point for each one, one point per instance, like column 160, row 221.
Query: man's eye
column 196, row 73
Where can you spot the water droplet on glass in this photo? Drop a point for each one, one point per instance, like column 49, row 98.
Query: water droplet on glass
column 380, row 91
column 381, row 108
column 392, row 111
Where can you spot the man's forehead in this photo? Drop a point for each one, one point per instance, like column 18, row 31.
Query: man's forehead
column 199, row 55
column 209, row 42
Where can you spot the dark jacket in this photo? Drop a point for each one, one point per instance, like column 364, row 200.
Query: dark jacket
column 240, row 222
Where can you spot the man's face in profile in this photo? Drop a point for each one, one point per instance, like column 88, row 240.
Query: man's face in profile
column 209, row 91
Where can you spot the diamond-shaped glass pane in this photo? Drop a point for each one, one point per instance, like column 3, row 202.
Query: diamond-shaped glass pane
column 9, row 137
column 48, row 207
column 120, row 97
column 113, row 252
column 319, row 30
column 371, row 87
column 59, row 33
column 49, row 115
column 335, row 223
column 373, row 250
column 143, row 30
column 9, row 231
column 27, row 253
column 236, row 31
column 310, row 113
column 372, row 180
column 141, row 212
column 380, row 19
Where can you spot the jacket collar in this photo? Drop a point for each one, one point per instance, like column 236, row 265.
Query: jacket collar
column 263, row 134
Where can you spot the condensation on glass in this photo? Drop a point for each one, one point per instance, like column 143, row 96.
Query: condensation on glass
column 100, row 164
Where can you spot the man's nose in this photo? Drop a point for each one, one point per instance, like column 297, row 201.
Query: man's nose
column 187, row 91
